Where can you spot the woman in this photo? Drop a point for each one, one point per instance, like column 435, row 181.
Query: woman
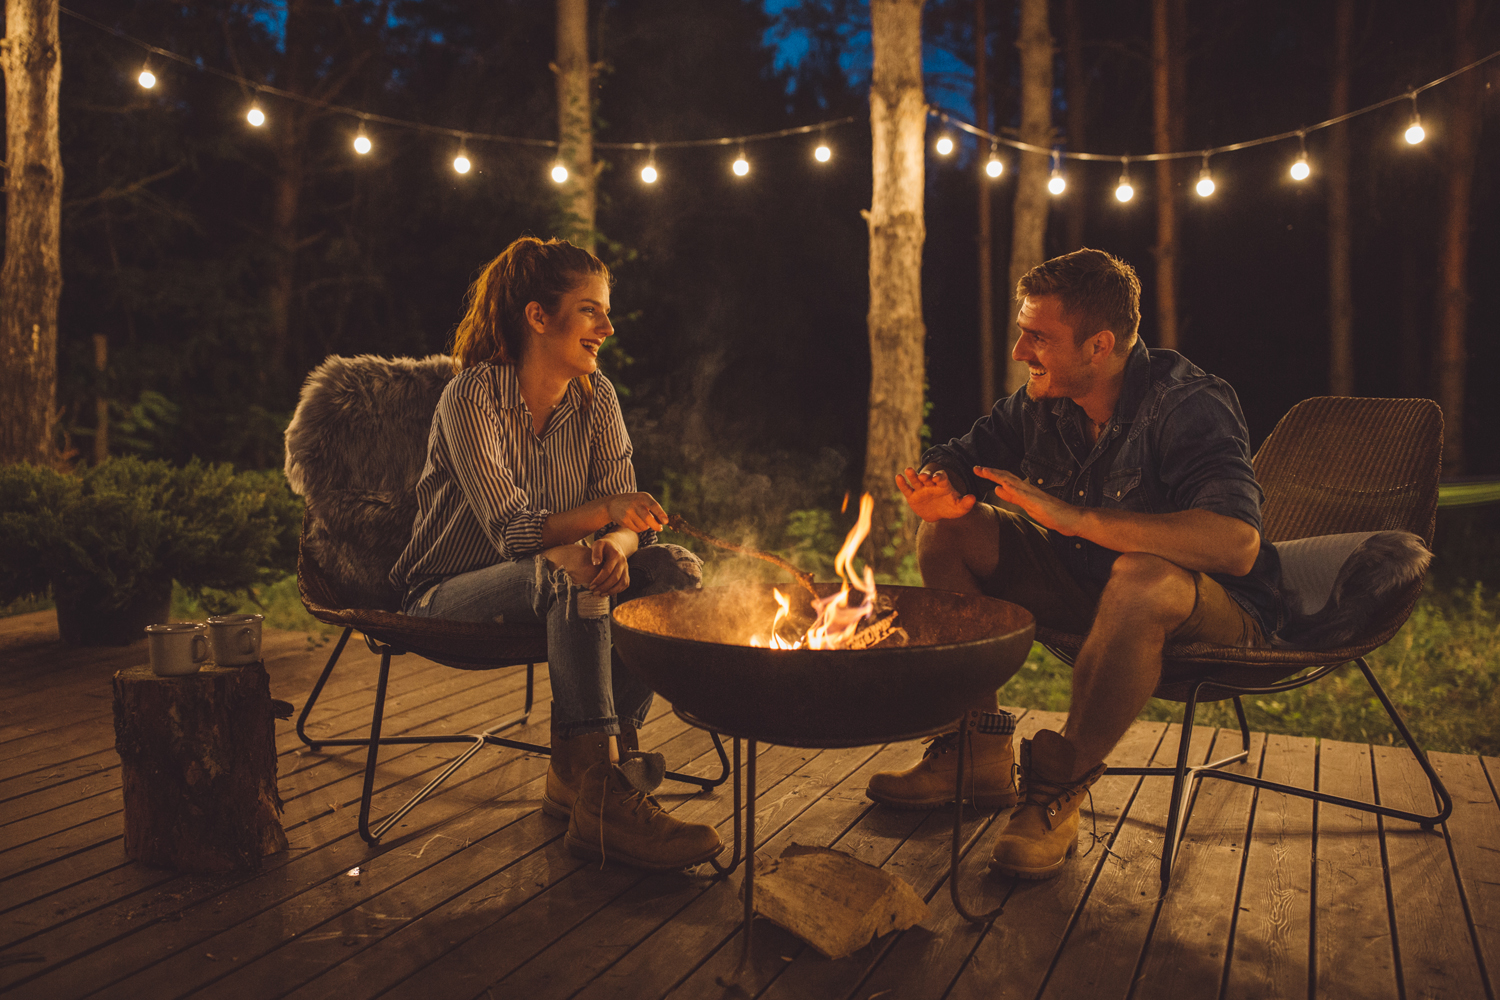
column 527, row 511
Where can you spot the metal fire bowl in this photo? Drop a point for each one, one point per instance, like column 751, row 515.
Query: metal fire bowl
column 687, row 646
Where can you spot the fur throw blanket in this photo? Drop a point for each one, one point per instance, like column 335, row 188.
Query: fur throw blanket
column 1338, row 586
column 354, row 451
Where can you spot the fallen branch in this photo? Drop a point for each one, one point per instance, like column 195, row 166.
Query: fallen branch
column 677, row 523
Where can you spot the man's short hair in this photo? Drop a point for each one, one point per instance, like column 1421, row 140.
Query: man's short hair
column 1097, row 291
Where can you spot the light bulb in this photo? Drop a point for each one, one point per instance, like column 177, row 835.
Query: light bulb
column 362, row 144
column 1415, row 133
column 1124, row 192
column 741, row 166
column 255, row 116
column 1205, row 185
column 944, row 145
column 147, row 79
column 1057, row 185
column 461, row 163
column 1300, row 170
column 822, row 154
column 648, row 174
column 995, row 167
column 559, row 173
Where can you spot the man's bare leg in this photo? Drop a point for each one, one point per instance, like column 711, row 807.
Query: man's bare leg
column 1119, row 666
column 956, row 554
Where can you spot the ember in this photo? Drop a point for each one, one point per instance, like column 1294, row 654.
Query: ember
column 838, row 617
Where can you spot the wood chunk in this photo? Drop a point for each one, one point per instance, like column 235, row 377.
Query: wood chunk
column 833, row 901
column 198, row 768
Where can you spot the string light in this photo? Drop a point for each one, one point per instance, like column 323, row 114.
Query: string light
column 461, row 162
column 1056, row 184
column 147, row 78
column 995, row 167
column 255, row 116
column 648, row 172
column 823, row 154
column 741, row 165
column 1415, row 133
column 944, row 144
column 362, row 143
column 1205, row 180
column 559, row 173
column 1123, row 191
column 1300, row 169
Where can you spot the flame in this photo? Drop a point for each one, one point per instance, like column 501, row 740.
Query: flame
column 838, row 617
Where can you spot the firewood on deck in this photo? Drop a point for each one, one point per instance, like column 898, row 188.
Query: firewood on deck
column 677, row 523
column 198, row 768
column 833, row 901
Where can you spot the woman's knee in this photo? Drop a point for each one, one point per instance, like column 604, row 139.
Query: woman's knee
column 659, row 568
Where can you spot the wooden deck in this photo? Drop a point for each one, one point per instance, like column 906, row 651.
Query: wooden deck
column 478, row 897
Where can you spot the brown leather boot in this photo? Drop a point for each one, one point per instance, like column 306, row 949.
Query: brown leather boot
column 1043, row 831
column 615, row 819
column 989, row 773
column 571, row 756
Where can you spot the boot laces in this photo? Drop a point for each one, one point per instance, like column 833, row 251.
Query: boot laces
column 939, row 744
column 635, row 800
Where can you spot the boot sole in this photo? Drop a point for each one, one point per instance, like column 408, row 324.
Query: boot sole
column 556, row 809
column 989, row 803
column 590, row 852
column 1035, row 874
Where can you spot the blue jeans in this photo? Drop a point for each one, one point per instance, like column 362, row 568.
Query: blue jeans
column 588, row 694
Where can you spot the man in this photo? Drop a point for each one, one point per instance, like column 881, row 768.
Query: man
column 1142, row 526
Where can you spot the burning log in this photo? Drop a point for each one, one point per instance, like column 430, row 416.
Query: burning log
column 677, row 523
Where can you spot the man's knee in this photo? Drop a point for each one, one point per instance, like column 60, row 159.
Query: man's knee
column 1160, row 587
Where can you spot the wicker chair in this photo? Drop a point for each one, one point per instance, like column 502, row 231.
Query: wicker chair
column 1332, row 465
column 354, row 450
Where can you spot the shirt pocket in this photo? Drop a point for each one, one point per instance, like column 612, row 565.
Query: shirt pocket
column 1122, row 490
column 1046, row 476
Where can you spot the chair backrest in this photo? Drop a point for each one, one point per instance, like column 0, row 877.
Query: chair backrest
column 354, row 451
column 1339, row 463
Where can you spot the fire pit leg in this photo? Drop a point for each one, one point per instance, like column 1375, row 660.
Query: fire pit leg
column 958, row 823
column 748, row 926
column 734, row 862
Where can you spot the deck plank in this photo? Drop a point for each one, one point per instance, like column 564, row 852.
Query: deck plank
column 1273, row 930
column 1432, row 934
column 1474, row 836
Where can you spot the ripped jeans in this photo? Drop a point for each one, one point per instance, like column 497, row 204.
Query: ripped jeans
column 589, row 695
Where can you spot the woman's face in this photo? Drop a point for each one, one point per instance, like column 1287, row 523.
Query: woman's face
column 567, row 341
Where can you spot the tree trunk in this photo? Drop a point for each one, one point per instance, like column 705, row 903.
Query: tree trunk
column 31, row 278
column 1029, row 221
column 986, row 237
column 575, row 121
column 1340, row 293
column 898, row 119
column 1166, row 84
column 1077, row 90
column 101, row 400
column 291, row 170
column 1453, row 303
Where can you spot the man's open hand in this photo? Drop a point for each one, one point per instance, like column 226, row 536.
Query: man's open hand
column 1043, row 508
column 931, row 496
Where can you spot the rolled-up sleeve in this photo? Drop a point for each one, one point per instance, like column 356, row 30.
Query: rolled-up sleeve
column 472, row 428
column 996, row 441
column 610, row 468
column 1205, row 453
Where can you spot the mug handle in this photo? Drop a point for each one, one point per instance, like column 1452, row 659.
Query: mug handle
column 200, row 648
column 247, row 634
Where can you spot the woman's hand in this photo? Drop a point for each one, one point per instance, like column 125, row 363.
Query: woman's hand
column 636, row 511
column 602, row 568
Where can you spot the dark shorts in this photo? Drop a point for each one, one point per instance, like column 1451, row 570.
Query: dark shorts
column 1031, row 575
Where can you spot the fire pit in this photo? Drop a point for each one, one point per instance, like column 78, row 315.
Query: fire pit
column 690, row 647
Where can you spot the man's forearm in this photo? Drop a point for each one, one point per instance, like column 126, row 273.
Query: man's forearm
column 1193, row 539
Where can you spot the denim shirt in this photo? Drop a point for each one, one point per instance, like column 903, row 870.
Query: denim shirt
column 1177, row 441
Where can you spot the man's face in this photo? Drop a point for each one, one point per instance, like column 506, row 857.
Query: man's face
column 1059, row 367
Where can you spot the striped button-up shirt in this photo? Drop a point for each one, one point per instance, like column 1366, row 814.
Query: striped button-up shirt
column 490, row 482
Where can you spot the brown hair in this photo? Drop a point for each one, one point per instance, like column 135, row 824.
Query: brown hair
column 1097, row 291
column 493, row 329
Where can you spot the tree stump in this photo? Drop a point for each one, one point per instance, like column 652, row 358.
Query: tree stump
column 198, row 767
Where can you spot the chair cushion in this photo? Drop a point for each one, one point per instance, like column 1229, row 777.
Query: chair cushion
column 1336, row 586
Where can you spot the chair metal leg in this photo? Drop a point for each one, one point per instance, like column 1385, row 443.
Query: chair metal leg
column 1239, row 710
column 317, row 690
column 371, row 758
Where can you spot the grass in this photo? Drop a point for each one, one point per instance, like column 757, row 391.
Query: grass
column 1442, row 670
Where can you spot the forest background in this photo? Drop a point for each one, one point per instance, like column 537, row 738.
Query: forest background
column 742, row 349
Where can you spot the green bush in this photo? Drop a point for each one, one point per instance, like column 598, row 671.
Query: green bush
column 124, row 525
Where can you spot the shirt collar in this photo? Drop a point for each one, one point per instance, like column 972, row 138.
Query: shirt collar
column 1137, row 382
column 508, row 395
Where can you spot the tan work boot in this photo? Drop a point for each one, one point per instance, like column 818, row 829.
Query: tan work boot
column 571, row 756
column 989, row 773
column 1043, row 831
column 615, row 819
